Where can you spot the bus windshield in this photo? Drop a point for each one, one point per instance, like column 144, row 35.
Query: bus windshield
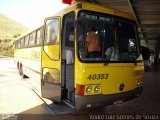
column 104, row 38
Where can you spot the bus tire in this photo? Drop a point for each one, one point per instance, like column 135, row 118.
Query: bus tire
column 19, row 69
column 21, row 72
column 18, row 65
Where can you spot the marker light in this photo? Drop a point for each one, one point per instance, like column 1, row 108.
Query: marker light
column 67, row 1
column 88, row 89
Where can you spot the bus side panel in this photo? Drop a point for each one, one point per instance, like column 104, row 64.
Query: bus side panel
column 31, row 60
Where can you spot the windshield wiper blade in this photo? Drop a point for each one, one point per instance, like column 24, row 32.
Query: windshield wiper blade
column 107, row 60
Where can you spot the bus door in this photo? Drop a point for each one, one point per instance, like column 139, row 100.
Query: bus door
column 68, row 57
column 51, row 62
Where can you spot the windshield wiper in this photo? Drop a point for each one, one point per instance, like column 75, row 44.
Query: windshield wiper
column 107, row 60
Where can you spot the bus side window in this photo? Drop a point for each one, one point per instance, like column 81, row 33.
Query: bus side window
column 15, row 45
column 51, row 31
column 39, row 37
column 19, row 44
column 32, row 39
column 26, row 40
column 22, row 42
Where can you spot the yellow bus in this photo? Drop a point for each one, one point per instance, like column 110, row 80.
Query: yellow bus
column 58, row 52
column 28, row 52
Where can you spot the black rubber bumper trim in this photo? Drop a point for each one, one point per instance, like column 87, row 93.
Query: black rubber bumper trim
column 82, row 102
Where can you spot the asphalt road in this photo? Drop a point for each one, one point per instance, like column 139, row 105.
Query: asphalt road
column 22, row 97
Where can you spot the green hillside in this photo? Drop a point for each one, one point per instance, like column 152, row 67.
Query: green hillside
column 9, row 28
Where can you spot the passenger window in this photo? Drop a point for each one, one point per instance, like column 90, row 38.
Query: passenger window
column 39, row 37
column 19, row 44
column 15, row 45
column 26, row 40
column 22, row 42
column 32, row 39
column 51, row 31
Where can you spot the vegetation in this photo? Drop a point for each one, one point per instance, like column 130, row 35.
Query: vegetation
column 9, row 30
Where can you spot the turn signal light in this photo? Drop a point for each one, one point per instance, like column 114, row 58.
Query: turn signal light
column 80, row 89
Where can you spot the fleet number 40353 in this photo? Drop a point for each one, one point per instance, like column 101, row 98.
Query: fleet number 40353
column 97, row 76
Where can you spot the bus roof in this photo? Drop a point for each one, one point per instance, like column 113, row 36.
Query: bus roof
column 28, row 32
column 91, row 7
column 96, row 8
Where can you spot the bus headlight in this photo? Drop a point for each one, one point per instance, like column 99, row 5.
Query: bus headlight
column 97, row 89
column 88, row 89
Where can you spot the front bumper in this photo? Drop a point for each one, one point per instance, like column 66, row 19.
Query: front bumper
column 82, row 102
